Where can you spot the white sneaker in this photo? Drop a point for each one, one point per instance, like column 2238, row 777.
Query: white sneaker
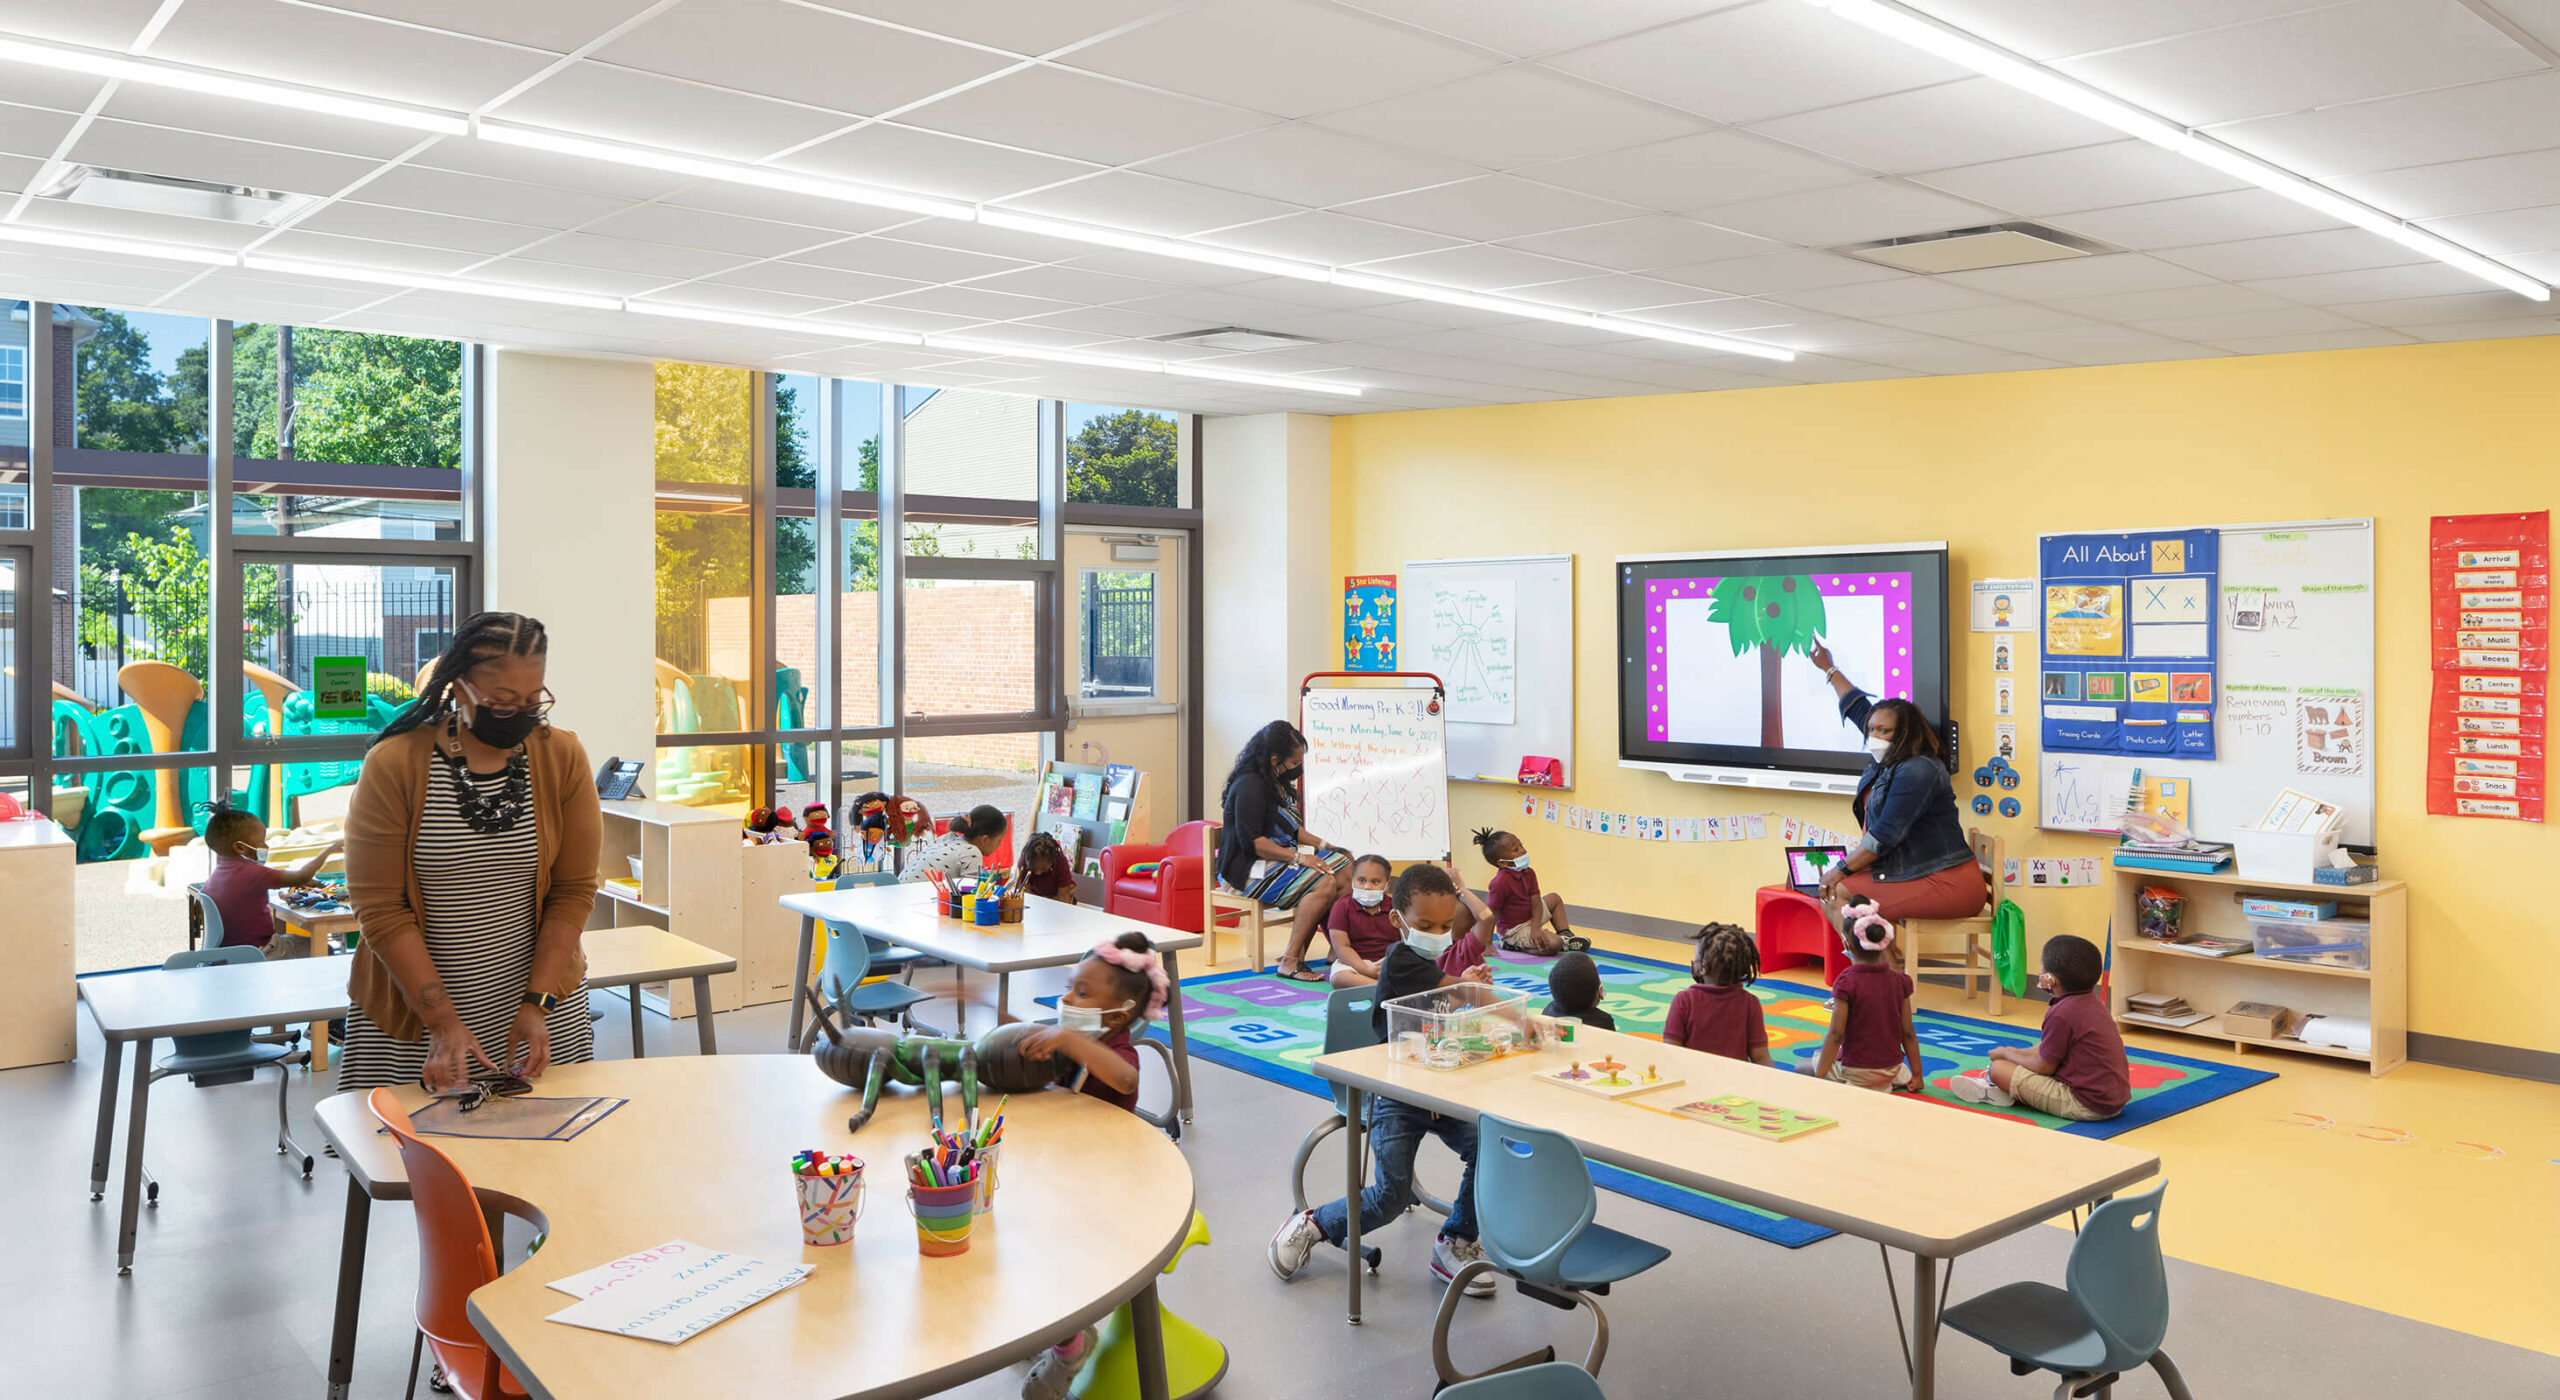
column 1053, row 1376
column 1296, row 1240
column 1449, row 1255
column 1979, row 1089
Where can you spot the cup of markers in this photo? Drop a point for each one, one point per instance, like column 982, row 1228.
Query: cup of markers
column 830, row 1188
column 943, row 1194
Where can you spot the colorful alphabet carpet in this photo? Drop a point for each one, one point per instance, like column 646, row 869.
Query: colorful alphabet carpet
column 1270, row 1028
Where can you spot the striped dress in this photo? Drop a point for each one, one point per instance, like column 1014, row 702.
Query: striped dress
column 479, row 921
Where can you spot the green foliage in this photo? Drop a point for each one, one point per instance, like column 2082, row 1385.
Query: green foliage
column 170, row 590
column 121, row 404
column 1129, row 458
column 390, row 687
column 388, row 400
column 1779, row 611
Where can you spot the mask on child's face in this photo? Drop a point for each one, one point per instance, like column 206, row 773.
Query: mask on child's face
column 1520, row 861
column 256, row 853
column 1369, row 899
column 1085, row 1020
column 1430, row 945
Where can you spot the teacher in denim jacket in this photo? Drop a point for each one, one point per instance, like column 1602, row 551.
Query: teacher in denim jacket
column 1911, row 855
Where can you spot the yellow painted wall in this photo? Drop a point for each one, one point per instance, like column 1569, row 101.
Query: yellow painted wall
column 1986, row 463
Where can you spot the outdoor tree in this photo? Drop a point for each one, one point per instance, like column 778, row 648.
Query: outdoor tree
column 1129, row 458
column 1779, row 614
column 386, row 400
column 170, row 590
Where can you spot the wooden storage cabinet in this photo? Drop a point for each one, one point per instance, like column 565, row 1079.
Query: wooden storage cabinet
column 698, row 881
column 2378, row 995
column 38, row 996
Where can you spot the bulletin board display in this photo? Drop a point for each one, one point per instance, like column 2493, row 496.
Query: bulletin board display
column 2129, row 642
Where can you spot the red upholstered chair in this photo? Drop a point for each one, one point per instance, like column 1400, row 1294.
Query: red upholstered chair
column 1791, row 927
column 1168, row 895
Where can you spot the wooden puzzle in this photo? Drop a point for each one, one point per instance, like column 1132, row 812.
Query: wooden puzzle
column 1748, row 1115
column 1608, row 1078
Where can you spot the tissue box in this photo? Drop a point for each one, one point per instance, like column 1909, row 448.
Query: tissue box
column 1456, row 1026
column 2346, row 875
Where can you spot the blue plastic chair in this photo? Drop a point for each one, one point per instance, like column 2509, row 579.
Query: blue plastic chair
column 839, row 998
column 2108, row 1318
column 205, row 929
column 1556, row 1380
column 1534, row 1209
column 231, row 1057
column 1347, row 1026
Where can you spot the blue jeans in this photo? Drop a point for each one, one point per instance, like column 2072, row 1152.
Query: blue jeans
column 1395, row 1131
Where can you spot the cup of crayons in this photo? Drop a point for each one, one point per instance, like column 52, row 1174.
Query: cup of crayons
column 942, row 1190
column 830, row 1195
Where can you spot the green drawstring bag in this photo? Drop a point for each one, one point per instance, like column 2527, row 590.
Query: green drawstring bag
column 2009, row 947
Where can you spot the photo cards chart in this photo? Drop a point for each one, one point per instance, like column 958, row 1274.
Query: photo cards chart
column 2491, row 643
column 2129, row 642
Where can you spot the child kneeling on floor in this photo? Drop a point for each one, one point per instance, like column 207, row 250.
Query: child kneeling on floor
column 1872, row 1043
column 1426, row 910
column 2077, row 1071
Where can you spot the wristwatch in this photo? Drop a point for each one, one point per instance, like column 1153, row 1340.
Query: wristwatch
column 543, row 1000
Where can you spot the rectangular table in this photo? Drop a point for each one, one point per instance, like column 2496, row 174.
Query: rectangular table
column 1051, row 934
column 317, row 927
column 635, row 956
column 1987, row 1178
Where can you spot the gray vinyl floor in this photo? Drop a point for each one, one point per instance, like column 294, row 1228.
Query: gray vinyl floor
column 231, row 1292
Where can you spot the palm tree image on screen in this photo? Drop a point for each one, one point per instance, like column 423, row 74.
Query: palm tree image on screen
column 1781, row 615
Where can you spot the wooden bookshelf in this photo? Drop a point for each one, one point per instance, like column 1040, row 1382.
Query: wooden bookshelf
column 2377, row 995
column 1140, row 823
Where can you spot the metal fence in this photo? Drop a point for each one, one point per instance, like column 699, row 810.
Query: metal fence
column 397, row 628
column 1119, row 643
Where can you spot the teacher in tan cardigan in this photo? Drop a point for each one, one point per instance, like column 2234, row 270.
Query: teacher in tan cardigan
column 471, row 863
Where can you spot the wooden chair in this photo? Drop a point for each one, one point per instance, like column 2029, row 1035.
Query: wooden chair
column 1218, row 904
column 1969, row 939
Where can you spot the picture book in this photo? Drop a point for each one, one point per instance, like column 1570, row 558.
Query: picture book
column 1115, row 809
column 1120, row 780
column 1088, row 796
column 1057, row 800
column 1749, row 1115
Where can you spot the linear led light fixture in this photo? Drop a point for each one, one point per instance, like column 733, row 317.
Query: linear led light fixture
column 1181, row 248
column 725, row 171
column 1130, row 364
column 154, row 72
column 426, row 282
column 796, row 325
column 126, row 247
column 1540, row 311
column 1955, row 46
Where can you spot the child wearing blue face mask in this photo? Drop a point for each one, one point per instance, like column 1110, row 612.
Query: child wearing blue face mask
column 1527, row 919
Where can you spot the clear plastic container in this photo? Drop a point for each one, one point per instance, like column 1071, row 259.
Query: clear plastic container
column 1456, row 1026
column 2329, row 942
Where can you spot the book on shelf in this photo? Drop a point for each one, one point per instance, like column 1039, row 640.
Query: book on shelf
column 1057, row 800
column 1120, row 779
column 2176, row 1021
column 1088, row 796
column 1115, row 809
column 2211, row 945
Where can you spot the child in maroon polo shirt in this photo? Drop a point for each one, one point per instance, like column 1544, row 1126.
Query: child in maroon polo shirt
column 1359, row 926
column 1872, row 1043
column 2077, row 1071
column 1720, row 1015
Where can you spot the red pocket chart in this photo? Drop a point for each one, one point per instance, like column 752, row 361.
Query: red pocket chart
column 2489, row 578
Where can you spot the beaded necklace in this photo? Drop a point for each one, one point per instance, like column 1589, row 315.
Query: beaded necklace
column 487, row 814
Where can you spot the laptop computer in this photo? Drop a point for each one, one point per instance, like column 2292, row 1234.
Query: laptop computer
column 1804, row 874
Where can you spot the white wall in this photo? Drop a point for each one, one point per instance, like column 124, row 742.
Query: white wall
column 572, row 537
column 1272, row 608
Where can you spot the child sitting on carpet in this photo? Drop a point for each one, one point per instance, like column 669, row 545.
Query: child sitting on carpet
column 1574, row 983
column 1426, row 910
column 1359, row 926
column 1528, row 920
column 1720, row 1015
column 2078, row 1070
column 1871, row 1035
column 1044, row 869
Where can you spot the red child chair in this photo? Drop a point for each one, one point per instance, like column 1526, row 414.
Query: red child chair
column 1790, row 925
column 455, row 1257
column 1168, row 895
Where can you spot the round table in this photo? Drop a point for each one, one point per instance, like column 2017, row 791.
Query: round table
column 1091, row 1204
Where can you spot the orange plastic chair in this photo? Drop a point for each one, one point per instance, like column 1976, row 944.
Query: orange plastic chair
column 455, row 1256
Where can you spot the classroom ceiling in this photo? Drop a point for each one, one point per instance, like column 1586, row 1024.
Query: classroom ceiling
column 1677, row 163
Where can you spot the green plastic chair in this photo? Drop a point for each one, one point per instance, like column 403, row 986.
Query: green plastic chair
column 1556, row 1380
column 2108, row 1317
column 1194, row 1361
column 1534, row 1207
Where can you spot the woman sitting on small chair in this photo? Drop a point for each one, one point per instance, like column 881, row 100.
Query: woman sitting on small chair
column 1911, row 858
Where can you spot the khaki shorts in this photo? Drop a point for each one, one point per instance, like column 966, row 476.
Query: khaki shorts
column 2046, row 1094
column 1525, row 938
column 1880, row 1080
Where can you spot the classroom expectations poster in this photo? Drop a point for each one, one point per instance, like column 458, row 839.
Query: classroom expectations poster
column 2128, row 644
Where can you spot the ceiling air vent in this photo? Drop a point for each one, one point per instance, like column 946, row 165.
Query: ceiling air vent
column 164, row 194
column 1973, row 249
column 1238, row 338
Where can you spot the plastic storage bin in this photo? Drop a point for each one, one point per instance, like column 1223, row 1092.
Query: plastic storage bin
column 2329, row 942
column 1457, row 1026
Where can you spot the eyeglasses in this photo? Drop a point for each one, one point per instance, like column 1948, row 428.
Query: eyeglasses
column 505, row 1086
column 539, row 708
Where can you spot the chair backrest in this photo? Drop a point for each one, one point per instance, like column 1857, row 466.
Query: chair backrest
column 1554, row 1380
column 1184, row 839
column 1534, row 1198
column 848, row 961
column 1986, row 853
column 2116, row 1276
column 1347, row 1027
column 213, row 1042
column 454, row 1252
column 208, row 916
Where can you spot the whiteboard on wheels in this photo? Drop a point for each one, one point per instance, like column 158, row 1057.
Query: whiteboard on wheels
column 1377, row 775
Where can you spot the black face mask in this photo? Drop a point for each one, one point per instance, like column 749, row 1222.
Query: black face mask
column 1289, row 775
column 503, row 731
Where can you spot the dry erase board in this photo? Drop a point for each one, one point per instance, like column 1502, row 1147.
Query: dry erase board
column 2295, row 633
column 1499, row 634
column 1377, row 775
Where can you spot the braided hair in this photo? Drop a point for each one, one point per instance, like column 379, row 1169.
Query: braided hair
column 1489, row 840
column 1726, row 956
column 483, row 636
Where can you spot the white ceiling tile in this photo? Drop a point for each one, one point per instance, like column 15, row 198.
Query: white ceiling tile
column 1822, row 333
column 2213, row 330
column 2079, row 277
column 1615, row 292
column 1973, row 323
column 1150, row 204
column 2543, row 265
column 2362, row 339
column 1309, row 165
column 974, row 302
column 622, row 104
column 249, row 121
column 1770, row 273
column 727, row 296
column 541, row 168
column 1934, row 127
column 1330, row 239
column 1280, row 56
column 1481, row 268
column 1949, row 357
column 1529, row 28
column 355, row 219
column 1639, row 245
column 366, row 252
column 915, row 262
column 2293, row 255
column 557, row 25
column 2503, row 233
column 1316, row 297
column 1490, row 207
column 103, row 24
column 2163, row 303
column 159, row 151
column 18, row 172
column 821, row 216
column 1117, row 321
column 2458, row 123
column 1017, row 26
column 929, row 162
column 1080, row 116
column 717, row 233
column 2091, row 177
column 831, row 284
column 121, row 223
column 1694, row 172
column 2085, row 344
column 499, row 201
column 2317, row 57
column 1758, row 62
column 602, row 281
column 798, row 54
column 988, row 239
column 2404, row 313
column 1070, row 284
column 1850, row 214
column 1511, row 117
column 30, row 86
column 1718, row 316
column 1149, row 267
column 1904, row 295
column 628, row 255
column 2041, row 29
column 319, row 48
column 2462, row 186
column 2203, row 218
column 2488, row 330
column 33, row 131
column 2426, row 279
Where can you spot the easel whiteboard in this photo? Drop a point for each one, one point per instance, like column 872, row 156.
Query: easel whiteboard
column 2312, row 582
column 1502, row 629
column 1377, row 777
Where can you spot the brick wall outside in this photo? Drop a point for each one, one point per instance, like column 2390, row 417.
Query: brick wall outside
column 970, row 649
